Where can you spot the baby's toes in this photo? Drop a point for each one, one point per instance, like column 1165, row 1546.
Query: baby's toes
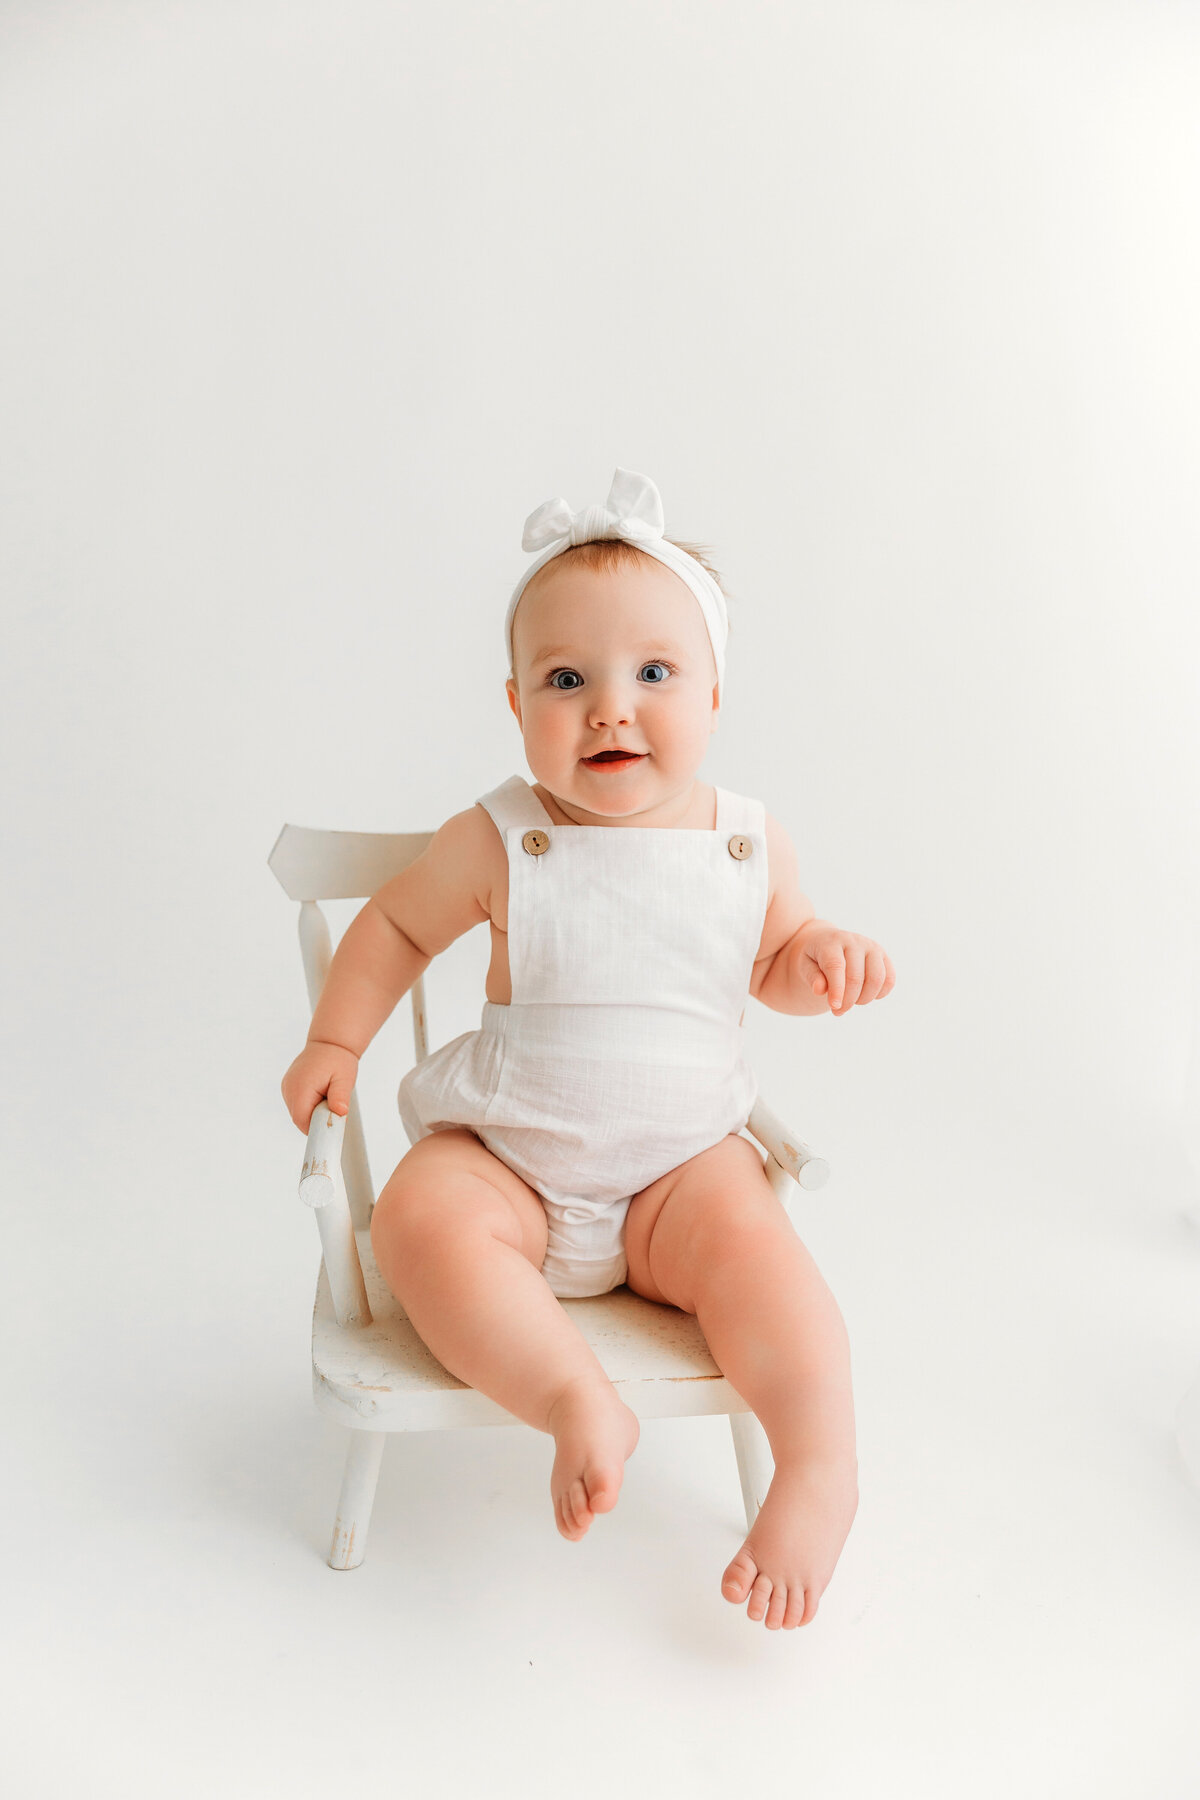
column 735, row 1583
column 760, row 1596
column 565, row 1509
column 603, row 1487
column 579, row 1513
column 777, row 1607
column 795, row 1614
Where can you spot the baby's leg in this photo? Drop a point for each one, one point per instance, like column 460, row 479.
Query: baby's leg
column 713, row 1238
column 459, row 1238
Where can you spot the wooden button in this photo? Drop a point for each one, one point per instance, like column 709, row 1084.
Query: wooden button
column 536, row 842
column 740, row 847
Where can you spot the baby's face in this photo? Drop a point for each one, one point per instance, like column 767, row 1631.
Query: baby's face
column 619, row 659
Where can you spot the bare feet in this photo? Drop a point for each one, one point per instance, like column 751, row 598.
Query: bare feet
column 789, row 1556
column 594, row 1432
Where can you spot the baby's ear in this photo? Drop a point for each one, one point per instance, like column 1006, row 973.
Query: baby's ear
column 514, row 699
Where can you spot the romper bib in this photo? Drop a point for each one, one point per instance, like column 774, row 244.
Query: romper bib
column 622, row 1054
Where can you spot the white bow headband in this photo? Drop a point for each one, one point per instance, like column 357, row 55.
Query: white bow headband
column 632, row 511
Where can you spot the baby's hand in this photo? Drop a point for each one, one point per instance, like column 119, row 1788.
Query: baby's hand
column 850, row 968
column 320, row 1072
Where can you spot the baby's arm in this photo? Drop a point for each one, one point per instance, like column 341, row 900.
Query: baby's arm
column 390, row 942
column 805, row 964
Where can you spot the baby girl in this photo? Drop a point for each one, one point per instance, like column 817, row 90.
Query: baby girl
column 588, row 1133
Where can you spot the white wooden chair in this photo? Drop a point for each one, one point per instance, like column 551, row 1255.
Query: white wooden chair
column 370, row 1369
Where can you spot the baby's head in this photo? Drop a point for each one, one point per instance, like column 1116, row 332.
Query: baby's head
column 612, row 649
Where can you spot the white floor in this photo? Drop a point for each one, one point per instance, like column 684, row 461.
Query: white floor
column 1015, row 1613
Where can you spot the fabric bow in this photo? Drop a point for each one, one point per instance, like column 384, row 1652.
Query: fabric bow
column 633, row 510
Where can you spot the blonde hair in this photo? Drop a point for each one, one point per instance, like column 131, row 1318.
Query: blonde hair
column 604, row 554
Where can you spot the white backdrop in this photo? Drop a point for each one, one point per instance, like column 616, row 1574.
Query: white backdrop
column 306, row 306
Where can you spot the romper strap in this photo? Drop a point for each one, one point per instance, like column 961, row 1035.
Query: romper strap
column 515, row 803
column 735, row 812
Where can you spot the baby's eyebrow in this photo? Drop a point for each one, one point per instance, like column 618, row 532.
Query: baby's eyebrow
column 652, row 647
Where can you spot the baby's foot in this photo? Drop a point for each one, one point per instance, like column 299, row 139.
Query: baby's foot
column 594, row 1432
column 789, row 1556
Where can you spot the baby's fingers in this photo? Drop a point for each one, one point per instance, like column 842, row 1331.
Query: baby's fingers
column 877, row 978
column 312, row 1100
column 833, row 967
column 852, row 985
column 294, row 1102
column 338, row 1097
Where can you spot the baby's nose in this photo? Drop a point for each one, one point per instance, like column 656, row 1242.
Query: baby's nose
column 612, row 703
column 605, row 716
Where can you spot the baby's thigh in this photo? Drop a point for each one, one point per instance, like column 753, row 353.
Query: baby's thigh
column 449, row 1184
column 684, row 1221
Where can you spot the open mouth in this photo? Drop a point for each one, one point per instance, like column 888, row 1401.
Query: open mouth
column 614, row 759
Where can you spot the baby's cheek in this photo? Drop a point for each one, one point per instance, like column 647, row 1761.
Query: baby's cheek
column 552, row 729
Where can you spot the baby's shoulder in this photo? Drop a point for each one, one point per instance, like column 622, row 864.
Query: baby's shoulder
column 473, row 853
column 489, row 857
column 449, row 887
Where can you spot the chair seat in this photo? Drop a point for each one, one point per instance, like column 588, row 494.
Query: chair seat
column 381, row 1377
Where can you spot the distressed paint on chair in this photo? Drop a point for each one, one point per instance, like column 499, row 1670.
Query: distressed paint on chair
column 370, row 1369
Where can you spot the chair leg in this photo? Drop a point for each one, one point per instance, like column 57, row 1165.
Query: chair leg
column 755, row 1463
column 363, row 1457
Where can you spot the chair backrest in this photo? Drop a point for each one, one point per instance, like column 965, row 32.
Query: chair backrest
column 341, row 865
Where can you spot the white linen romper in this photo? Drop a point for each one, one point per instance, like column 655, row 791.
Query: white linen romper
column 622, row 1053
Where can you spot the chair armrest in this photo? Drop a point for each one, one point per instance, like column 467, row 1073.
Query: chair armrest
column 323, row 1188
column 322, row 1156
column 790, row 1151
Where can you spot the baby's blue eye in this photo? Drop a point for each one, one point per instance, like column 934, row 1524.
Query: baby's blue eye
column 576, row 678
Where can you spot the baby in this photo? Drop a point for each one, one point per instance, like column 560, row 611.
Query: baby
column 588, row 1133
